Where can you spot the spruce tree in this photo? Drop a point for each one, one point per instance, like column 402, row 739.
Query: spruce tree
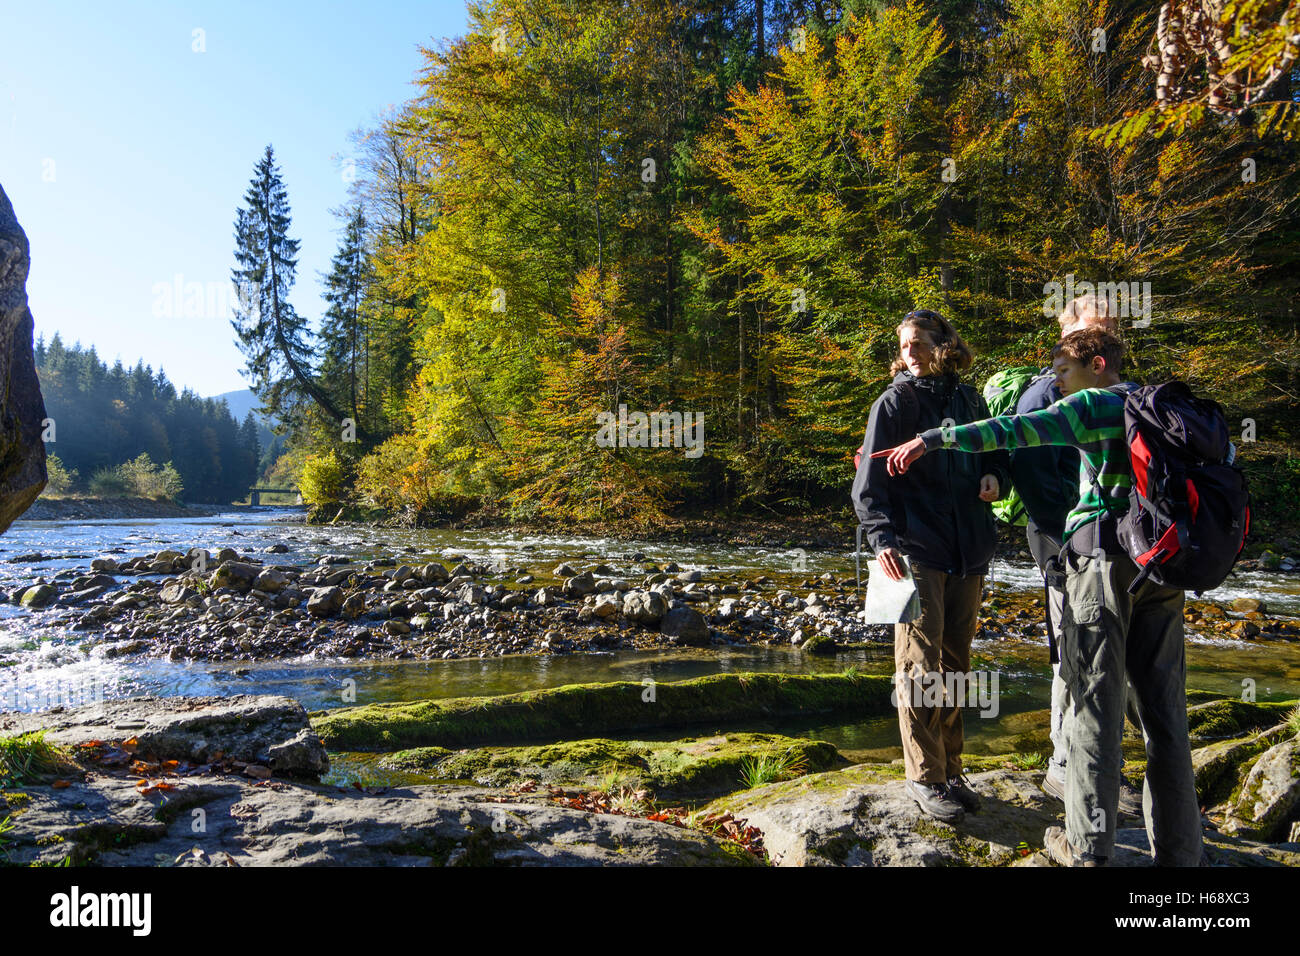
column 271, row 335
column 343, row 332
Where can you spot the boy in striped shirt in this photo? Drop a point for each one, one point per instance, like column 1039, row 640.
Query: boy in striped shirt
column 1105, row 630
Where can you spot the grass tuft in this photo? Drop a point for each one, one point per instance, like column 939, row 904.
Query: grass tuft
column 1029, row 761
column 763, row 769
column 30, row 758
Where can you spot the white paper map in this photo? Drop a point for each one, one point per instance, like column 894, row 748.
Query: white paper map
column 889, row 601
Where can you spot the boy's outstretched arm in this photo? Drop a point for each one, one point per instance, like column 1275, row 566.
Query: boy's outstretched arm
column 1068, row 422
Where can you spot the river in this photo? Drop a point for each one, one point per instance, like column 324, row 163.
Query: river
column 40, row 669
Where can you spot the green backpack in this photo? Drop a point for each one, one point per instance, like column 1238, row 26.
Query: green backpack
column 1001, row 393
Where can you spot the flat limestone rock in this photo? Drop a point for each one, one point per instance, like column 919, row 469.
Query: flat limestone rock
column 109, row 823
column 263, row 729
column 860, row 817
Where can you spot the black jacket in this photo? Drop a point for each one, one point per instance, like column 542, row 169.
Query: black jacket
column 933, row 513
column 1047, row 476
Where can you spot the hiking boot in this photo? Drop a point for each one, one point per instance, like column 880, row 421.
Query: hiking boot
column 935, row 800
column 959, row 788
column 1130, row 799
column 1054, row 786
column 1062, row 853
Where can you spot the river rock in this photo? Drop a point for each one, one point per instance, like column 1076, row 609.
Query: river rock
column 38, row 596
column 687, row 625
column 354, row 605
column 580, row 585
column 272, row 580
column 548, row 596
column 331, row 578
column 605, row 607
column 92, row 581
column 513, row 599
column 1270, row 796
column 434, row 573
column 645, row 607
column 235, row 574
column 325, row 601
column 176, row 593
column 1245, row 605
column 106, row 565
column 22, row 410
column 820, row 644
column 564, row 571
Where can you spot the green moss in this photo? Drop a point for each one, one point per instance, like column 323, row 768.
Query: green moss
column 576, row 711
column 1246, row 796
column 739, row 854
column 417, row 760
column 688, row 768
column 1230, row 717
column 1222, row 766
column 819, row 644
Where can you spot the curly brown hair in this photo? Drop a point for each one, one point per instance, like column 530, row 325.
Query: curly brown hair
column 951, row 354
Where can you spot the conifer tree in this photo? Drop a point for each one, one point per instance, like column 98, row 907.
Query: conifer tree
column 271, row 334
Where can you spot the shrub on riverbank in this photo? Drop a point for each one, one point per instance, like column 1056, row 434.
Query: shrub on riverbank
column 399, row 478
column 59, row 482
column 138, row 478
column 322, row 480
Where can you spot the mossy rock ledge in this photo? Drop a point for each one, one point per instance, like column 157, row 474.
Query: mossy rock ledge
column 577, row 711
column 692, row 768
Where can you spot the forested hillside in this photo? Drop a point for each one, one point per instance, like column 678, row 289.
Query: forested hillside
column 723, row 208
column 102, row 418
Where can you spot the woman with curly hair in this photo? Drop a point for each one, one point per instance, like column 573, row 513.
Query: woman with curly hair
column 941, row 520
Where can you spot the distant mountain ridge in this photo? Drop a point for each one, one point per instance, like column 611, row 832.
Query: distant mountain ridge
column 242, row 402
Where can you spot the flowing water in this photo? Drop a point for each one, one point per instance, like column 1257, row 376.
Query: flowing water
column 39, row 668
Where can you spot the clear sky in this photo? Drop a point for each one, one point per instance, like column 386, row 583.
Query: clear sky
column 126, row 152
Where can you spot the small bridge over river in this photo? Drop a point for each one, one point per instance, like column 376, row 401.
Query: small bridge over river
column 255, row 494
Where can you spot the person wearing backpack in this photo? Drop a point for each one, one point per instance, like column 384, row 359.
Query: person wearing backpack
column 939, row 519
column 1045, row 483
column 1106, row 631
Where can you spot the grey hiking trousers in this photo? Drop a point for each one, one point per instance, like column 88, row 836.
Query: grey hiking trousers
column 1105, row 633
column 1044, row 546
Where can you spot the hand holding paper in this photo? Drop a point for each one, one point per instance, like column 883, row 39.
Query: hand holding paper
column 890, row 600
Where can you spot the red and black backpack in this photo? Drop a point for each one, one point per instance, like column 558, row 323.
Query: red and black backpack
column 1189, row 508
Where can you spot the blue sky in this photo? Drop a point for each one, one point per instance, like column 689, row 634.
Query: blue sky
column 126, row 153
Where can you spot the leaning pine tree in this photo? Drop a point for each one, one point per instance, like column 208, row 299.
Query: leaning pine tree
column 271, row 335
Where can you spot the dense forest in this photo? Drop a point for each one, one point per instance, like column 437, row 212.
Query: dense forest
column 723, row 208
column 101, row 420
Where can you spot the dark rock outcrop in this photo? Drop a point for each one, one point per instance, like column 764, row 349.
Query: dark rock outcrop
column 22, row 410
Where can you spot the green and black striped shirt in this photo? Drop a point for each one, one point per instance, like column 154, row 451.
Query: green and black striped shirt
column 1091, row 420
